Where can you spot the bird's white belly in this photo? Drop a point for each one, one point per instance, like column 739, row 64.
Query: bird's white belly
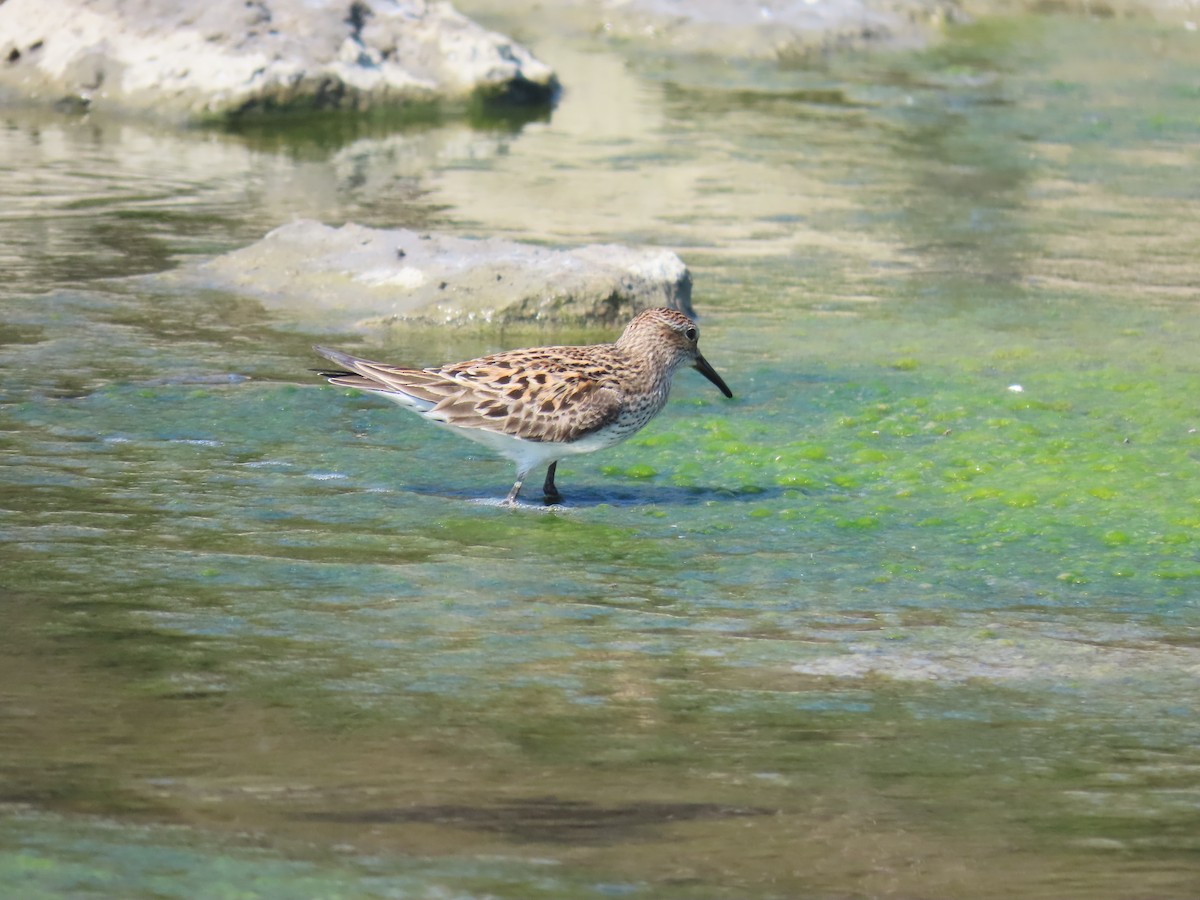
column 528, row 454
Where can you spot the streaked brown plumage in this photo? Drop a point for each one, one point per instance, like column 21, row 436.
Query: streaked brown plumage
column 538, row 405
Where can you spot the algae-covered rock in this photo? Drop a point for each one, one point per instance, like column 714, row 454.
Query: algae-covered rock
column 224, row 58
column 358, row 277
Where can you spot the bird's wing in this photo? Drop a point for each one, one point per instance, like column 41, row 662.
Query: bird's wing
column 548, row 394
column 417, row 388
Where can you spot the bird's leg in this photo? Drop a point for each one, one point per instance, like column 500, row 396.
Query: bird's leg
column 548, row 488
column 511, row 499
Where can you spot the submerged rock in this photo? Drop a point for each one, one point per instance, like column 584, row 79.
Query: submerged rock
column 358, row 277
column 735, row 29
column 779, row 29
column 224, row 58
column 789, row 31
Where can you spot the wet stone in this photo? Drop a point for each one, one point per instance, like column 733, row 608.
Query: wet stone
column 225, row 59
column 353, row 277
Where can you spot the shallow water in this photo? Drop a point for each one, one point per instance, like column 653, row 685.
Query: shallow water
column 915, row 615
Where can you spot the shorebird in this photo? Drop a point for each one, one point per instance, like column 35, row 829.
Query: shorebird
column 539, row 405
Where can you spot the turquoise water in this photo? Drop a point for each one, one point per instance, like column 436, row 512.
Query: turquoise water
column 914, row 615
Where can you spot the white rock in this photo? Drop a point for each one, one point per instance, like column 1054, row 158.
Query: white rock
column 222, row 58
column 317, row 277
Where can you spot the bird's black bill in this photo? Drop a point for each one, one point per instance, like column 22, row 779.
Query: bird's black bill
column 701, row 365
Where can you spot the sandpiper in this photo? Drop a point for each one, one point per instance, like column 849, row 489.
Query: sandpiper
column 538, row 405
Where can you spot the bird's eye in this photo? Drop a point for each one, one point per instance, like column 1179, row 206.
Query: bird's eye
column 690, row 334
